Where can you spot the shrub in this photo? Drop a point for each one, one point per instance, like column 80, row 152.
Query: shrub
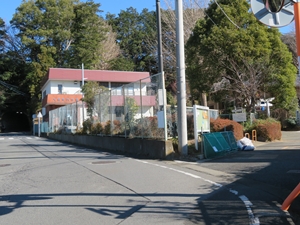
column 291, row 122
column 267, row 130
column 219, row 125
column 148, row 127
column 97, row 128
column 87, row 126
column 107, row 128
column 118, row 127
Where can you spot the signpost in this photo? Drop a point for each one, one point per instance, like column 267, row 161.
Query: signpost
column 33, row 128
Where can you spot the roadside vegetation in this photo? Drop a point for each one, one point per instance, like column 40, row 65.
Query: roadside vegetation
column 231, row 58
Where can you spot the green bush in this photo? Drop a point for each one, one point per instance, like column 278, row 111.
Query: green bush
column 87, row 126
column 291, row 122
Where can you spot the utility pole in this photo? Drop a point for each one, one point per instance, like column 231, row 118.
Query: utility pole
column 181, row 84
column 82, row 82
column 159, row 39
column 161, row 67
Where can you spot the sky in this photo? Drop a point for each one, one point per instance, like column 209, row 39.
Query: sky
column 8, row 7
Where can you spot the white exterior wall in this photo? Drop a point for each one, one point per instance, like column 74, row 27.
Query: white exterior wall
column 137, row 89
column 68, row 87
column 47, row 89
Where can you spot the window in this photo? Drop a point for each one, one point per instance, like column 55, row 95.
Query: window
column 117, row 84
column 117, row 88
column 128, row 89
column 103, row 84
column 44, row 94
column 60, row 88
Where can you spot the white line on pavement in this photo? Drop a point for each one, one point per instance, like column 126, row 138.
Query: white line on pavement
column 253, row 220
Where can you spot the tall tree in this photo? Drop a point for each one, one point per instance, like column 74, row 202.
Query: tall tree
column 192, row 11
column 58, row 33
column 290, row 40
column 2, row 34
column 229, row 50
column 133, row 29
column 13, row 68
column 109, row 50
column 2, row 44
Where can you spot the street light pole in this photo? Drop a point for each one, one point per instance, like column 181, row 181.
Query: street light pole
column 181, row 84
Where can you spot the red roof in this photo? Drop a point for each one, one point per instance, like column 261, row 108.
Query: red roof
column 61, row 99
column 97, row 75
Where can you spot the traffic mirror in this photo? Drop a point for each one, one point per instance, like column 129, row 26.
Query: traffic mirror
column 274, row 6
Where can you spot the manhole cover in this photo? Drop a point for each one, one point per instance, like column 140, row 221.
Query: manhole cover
column 103, row 162
column 3, row 165
column 293, row 171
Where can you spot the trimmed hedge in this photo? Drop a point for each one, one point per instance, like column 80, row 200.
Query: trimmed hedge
column 267, row 130
column 219, row 125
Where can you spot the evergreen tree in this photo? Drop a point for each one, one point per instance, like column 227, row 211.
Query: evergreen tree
column 133, row 30
column 231, row 53
column 58, row 33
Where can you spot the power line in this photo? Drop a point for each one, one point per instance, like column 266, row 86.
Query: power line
column 226, row 15
column 205, row 13
column 12, row 88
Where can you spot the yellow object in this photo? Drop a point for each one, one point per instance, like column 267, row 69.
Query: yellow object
column 254, row 137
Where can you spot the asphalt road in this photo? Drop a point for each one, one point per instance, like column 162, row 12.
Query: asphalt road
column 266, row 176
column 48, row 182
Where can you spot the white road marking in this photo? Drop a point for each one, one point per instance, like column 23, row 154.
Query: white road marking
column 253, row 220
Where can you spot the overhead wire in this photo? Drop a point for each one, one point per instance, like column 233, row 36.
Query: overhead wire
column 205, row 13
column 226, row 15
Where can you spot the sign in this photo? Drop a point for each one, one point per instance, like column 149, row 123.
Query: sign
column 161, row 120
column 39, row 115
column 238, row 110
column 201, row 118
column 201, row 121
column 283, row 17
column 239, row 117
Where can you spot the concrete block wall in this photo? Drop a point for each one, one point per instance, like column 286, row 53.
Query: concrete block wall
column 156, row 149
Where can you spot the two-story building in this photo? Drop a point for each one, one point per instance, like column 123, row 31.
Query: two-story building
column 63, row 87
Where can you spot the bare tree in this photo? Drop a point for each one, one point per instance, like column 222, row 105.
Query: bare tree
column 193, row 10
column 109, row 49
column 246, row 83
column 290, row 40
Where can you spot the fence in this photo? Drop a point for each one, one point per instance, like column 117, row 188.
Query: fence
column 131, row 110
